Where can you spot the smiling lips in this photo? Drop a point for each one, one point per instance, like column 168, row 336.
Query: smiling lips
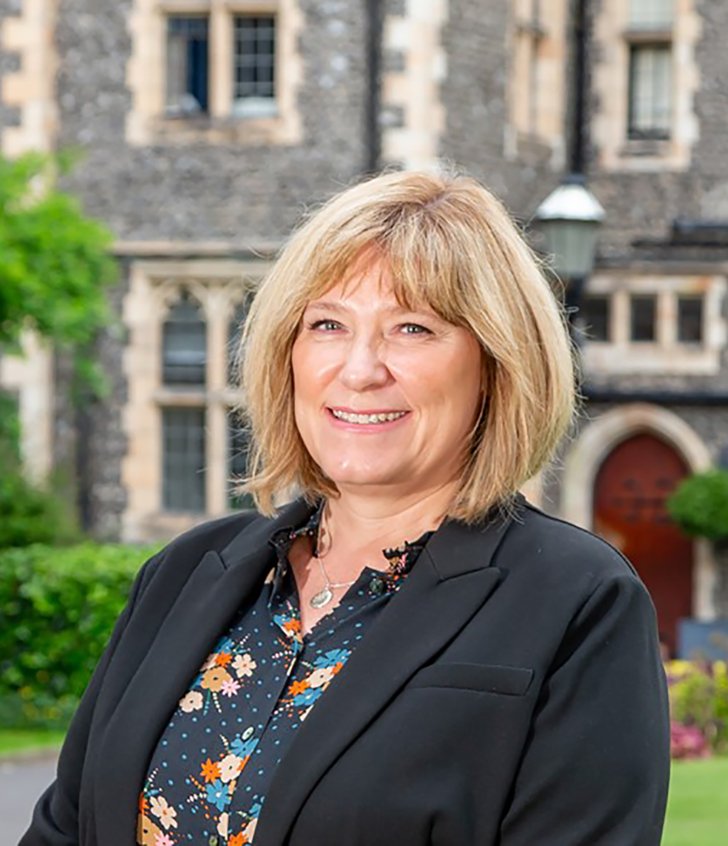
column 367, row 419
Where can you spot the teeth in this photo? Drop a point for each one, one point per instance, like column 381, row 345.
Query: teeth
column 367, row 418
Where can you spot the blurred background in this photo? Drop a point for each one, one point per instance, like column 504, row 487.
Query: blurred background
column 194, row 133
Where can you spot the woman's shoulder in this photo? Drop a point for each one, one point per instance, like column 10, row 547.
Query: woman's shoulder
column 549, row 543
column 547, row 561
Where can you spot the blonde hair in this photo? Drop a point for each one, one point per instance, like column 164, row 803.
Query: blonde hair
column 450, row 244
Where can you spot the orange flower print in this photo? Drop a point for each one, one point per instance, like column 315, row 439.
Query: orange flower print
column 222, row 659
column 297, row 687
column 237, row 840
column 210, row 770
column 293, row 626
column 143, row 804
column 147, row 832
column 214, row 678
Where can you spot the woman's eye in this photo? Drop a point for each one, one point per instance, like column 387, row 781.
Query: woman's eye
column 325, row 325
column 414, row 329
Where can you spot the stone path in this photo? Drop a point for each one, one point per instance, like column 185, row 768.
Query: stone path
column 21, row 783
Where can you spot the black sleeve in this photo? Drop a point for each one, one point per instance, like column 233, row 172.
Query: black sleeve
column 595, row 769
column 55, row 818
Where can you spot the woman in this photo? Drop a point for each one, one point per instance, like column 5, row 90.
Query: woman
column 408, row 653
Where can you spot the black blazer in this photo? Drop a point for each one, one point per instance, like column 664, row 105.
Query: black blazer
column 510, row 693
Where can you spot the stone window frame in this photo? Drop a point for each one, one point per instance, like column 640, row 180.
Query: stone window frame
column 612, row 40
column 666, row 355
column 28, row 36
column 412, row 115
column 219, row 286
column 537, row 76
column 147, row 122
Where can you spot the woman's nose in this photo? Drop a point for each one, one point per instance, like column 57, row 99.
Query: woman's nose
column 363, row 366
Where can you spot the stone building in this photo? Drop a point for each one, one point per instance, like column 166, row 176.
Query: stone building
column 209, row 125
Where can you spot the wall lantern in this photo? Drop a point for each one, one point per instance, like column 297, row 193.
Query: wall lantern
column 569, row 219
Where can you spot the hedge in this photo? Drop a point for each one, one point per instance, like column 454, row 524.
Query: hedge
column 31, row 515
column 58, row 606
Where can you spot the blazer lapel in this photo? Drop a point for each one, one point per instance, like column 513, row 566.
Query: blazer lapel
column 449, row 583
column 213, row 594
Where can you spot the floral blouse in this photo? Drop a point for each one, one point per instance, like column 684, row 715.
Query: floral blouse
column 213, row 764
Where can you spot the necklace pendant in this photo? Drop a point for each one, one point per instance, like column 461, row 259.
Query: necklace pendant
column 323, row 597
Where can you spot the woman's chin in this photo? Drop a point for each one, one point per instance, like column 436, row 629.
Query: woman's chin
column 363, row 477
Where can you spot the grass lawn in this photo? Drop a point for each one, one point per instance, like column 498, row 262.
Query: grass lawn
column 697, row 811
column 24, row 740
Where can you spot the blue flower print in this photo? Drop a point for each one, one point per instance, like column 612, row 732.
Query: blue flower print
column 243, row 748
column 307, row 697
column 218, row 794
column 332, row 658
column 217, row 757
column 226, row 644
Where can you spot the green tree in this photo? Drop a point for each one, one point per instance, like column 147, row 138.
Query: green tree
column 699, row 505
column 55, row 267
column 54, row 260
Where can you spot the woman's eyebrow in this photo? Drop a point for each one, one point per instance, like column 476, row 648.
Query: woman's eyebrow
column 327, row 305
column 333, row 305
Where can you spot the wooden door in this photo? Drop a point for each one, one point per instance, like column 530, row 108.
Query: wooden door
column 629, row 511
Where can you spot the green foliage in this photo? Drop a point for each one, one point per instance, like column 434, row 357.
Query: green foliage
column 9, row 432
column 28, row 513
column 700, row 505
column 54, row 261
column 58, row 608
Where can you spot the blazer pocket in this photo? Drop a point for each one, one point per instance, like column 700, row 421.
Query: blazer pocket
column 483, row 678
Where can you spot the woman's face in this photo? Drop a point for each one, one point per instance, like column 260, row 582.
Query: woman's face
column 385, row 398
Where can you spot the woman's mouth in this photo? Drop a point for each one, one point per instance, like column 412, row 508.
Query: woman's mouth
column 367, row 418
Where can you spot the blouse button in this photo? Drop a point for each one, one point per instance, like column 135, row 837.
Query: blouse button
column 376, row 585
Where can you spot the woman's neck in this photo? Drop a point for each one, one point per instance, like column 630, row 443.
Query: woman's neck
column 378, row 522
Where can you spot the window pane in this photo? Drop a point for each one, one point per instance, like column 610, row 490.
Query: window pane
column 187, row 58
column 642, row 318
column 183, row 459
column 595, row 317
column 237, row 461
column 651, row 14
column 650, row 100
column 254, row 56
column 184, row 345
column 690, row 320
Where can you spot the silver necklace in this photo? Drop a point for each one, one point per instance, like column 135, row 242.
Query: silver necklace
column 326, row 594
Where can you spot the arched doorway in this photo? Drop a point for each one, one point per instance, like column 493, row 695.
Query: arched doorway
column 630, row 490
